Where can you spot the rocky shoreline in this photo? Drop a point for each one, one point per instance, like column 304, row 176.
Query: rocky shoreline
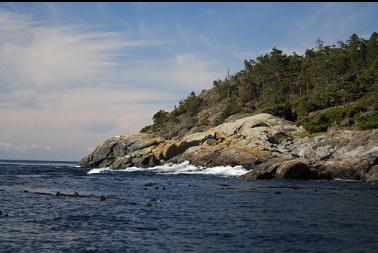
column 269, row 147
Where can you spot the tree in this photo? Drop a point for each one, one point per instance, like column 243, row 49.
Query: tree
column 160, row 117
column 372, row 48
column 319, row 44
column 357, row 52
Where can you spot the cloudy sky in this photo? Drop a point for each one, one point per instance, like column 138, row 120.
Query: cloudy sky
column 73, row 74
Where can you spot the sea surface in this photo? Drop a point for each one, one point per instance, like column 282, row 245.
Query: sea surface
column 179, row 208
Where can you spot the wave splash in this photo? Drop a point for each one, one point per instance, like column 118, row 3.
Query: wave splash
column 182, row 168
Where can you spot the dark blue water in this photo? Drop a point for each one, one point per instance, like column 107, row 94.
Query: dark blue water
column 179, row 213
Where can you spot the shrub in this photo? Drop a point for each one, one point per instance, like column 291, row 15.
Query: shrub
column 191, row 105
column 340, row 115
column 315, row 124
column 160, row 117
column 367, row 120
column 230, row 109
column 146, row 129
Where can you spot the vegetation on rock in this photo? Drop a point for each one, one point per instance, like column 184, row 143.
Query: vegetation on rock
column 327, row 86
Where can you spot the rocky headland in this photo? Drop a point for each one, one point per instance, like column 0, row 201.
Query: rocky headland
column 268, row 146
column 311, row 116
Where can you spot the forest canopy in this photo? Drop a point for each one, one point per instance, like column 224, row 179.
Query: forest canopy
column 330, row 85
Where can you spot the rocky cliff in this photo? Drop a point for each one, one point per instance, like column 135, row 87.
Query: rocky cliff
column 269, row 147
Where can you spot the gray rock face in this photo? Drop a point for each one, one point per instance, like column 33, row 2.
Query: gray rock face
column 121, row 151
column 268, row 146
column 372, row 174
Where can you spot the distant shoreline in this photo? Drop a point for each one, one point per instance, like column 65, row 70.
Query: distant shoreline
column 29, row 160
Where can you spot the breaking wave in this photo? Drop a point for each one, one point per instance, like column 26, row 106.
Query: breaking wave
column 182, row 168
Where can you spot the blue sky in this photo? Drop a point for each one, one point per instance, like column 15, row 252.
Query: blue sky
column 73, row 74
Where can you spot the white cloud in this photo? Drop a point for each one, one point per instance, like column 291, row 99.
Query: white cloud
column 330, row 22
column 184, row 70
column 21, row 149
column 77, row 107
column 13, row 22
column 70, row 121
column 33, row 54
column 67, row 88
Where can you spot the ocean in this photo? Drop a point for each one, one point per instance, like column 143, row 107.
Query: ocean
column 48, row 206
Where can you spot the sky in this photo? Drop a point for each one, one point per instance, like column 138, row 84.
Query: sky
column 74, row 74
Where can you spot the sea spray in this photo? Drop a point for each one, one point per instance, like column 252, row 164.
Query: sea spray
column 181, row 168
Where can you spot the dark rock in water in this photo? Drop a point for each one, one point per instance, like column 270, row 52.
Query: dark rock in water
column 150, row 184
column 154, row 200
column 226, row 188
column 293, row 169
column 76, row 194
column 263, row 171
column 26, row 191
column 224, row 185
column 102, row 198
column 58, row 194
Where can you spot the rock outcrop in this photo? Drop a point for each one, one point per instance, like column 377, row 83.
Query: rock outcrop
column 268, row 146
column 123, row 151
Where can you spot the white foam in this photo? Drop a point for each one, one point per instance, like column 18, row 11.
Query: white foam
column 345, row 180
column 99, row 170
column 182, row 168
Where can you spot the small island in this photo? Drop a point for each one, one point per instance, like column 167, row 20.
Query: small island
column 283, row 116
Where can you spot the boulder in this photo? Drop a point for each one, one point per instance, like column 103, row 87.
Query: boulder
column 111, row 149
column 372, row 175
column 264, row 171
column 293, row 169
column 352, row 168
column 121, row 162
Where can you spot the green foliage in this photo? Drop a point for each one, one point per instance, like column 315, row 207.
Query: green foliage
column 367, row 120
column 344, row 116
column 146, row 129
column 160, row 117
column 229, row 109
column 328, row 85
column 226, row 89
column 372, row 48
column 189, row 105
column 314, row 124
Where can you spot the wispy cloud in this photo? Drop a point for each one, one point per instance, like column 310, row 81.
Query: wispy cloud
column 183, row 71
column 60, row 83
column 330, row 22
column 68, row 80
column 72, row 120
column 22, row 150
column 38, row 55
